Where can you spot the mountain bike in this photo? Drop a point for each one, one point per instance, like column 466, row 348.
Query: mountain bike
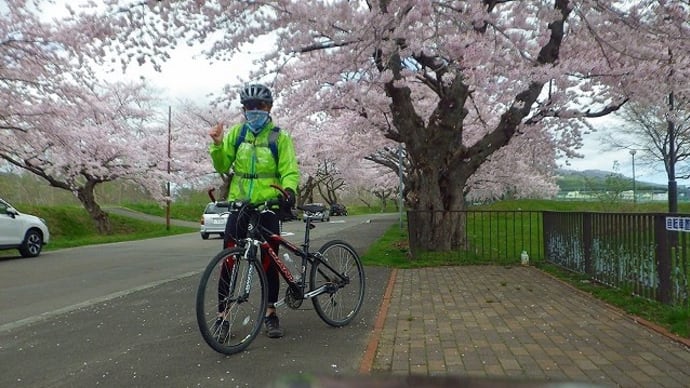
column 231, row 300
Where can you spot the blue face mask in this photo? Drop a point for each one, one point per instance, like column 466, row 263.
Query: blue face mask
column 256, row 119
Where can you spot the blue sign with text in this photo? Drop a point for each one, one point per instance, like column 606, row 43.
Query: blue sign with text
column 679, row 224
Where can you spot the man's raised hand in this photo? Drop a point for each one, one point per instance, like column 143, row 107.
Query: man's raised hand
column 216, row 134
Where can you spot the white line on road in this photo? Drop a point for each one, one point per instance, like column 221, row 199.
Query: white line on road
column 86, row 303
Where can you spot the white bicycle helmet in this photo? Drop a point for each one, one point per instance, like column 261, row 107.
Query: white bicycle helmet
column 256, row 92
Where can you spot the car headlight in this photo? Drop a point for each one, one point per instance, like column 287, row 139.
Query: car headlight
column 43, row 221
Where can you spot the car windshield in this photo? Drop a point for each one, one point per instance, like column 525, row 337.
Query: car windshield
column 4, row 205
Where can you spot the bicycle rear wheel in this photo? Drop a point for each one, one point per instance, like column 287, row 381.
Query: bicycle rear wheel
column 231, row 301
column 341, row 273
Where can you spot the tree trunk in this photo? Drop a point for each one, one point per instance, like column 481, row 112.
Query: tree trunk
column 436, row 231
column 305, row 191
column 88, row 199
column 436, row 221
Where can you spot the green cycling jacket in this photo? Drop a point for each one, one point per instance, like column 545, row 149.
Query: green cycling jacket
column 253, row 163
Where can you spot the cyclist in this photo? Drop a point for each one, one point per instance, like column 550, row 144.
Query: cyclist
column 258, row 159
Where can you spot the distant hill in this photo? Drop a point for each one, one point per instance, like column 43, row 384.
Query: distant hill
column 587, row 180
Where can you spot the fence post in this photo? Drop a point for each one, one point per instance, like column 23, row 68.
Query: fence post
column 663, row 259
column 587, row 242
column 545, row 229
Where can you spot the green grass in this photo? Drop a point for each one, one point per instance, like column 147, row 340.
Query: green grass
column 583, row 206
column 71, row 226
column 178, row 211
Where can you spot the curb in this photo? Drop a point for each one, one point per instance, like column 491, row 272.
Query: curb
column 370, row 353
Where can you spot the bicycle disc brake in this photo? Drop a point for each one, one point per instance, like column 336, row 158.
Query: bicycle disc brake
column 293, row 299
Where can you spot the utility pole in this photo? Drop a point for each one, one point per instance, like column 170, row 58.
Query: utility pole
column 167, row 201
column 400, row 183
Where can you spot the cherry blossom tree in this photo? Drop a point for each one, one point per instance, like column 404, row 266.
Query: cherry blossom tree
column 664, row 86
column 386, row 187
column 191, row 122
column 56, row 120
column 92, row 136
column 661, row 90
column 455, row 81
column 36, row 56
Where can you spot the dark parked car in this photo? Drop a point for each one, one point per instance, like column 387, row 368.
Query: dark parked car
column 338, row 210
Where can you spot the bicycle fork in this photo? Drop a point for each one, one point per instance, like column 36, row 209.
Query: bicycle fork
column 238, row 278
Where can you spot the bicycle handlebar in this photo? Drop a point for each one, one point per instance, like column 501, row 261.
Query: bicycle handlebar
column 236, row 205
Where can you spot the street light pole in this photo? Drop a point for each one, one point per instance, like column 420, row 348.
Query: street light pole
column 632, row 153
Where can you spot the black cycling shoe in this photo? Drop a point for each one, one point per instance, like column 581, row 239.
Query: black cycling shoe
column 273, row 329
column 221, row 330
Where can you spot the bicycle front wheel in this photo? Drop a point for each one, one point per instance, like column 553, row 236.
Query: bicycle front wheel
column 231, row 301
column 340, row 274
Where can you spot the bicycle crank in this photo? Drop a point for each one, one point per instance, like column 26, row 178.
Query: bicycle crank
column 293, row 297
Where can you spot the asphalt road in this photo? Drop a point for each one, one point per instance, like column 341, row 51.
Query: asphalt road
column 123, row 315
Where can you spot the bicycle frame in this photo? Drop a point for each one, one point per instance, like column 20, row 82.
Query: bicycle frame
column 259, row 237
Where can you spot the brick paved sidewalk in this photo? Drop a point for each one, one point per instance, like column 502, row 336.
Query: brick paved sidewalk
column 517, row 322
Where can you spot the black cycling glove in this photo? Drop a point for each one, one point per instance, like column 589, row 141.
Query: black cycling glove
column 288, row 201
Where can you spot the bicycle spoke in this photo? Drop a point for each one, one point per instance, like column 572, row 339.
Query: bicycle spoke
column 230, row 302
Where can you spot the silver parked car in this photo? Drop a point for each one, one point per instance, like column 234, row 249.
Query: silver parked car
column 213, row 220
column 316, row 211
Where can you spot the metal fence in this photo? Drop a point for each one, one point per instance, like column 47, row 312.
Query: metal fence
column 645, row 253
column 487, row 235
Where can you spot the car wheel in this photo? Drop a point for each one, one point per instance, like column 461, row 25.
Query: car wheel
column 204, row 236
column 32, row 244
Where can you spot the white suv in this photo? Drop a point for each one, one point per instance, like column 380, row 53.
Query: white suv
column 22, row 231
column 213, row 220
